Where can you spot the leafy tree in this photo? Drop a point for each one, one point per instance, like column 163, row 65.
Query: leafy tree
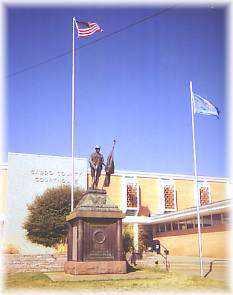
column 45, row 223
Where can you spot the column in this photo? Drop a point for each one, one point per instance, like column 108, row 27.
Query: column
column 80, row 240
column 74, row 242
column 135, row 236
column 119, row 240
column 69, row 241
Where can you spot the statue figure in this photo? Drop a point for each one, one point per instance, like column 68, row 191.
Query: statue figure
column 96, row 163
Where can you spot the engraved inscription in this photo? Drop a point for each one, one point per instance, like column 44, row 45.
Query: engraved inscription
column 51, row 176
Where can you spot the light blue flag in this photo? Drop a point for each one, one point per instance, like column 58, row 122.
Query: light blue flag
column 204, row 107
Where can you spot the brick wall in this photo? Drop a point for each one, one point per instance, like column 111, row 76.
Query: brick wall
column 34, row 263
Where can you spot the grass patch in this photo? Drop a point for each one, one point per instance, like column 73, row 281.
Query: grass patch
column 143, row 279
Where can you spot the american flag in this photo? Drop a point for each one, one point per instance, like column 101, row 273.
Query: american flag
column 90, row 29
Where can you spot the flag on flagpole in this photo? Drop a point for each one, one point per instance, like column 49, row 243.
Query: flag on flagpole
column 109, row 167
column 204, row 107
column 89, row 29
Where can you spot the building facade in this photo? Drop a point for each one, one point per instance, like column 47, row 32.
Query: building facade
column 161, row 205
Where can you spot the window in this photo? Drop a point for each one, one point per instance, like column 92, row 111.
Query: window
column 226, row 218
column 169, row 195
column 204, row 193
column 130, row 197
column 168, row 226
column 175, row 226
column 189, row 224
column 196, row 223
column 217, row 219
column 182, row 225
column 156, row 230
column 162, row 227
column 207, row 221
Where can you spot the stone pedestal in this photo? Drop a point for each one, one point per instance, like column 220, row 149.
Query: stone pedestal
column 95, row 236
column 95, row 267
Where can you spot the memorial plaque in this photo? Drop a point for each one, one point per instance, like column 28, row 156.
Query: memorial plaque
column 99, row 240
column 99, row 231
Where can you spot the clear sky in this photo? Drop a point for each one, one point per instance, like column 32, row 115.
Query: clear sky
column 132, row 86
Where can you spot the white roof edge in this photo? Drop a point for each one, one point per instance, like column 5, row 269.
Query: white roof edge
column 190, row 212
column 225, row 204
column 173, row 176
column 163, row 175
column 136, row 219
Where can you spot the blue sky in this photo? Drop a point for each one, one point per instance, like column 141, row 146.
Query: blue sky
column 132, row 86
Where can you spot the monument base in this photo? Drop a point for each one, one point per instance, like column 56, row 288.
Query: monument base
column 95, row 267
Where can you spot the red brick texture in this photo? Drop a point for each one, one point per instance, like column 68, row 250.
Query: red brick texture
column 169, row 197
column 204, row 196
column 131, row 195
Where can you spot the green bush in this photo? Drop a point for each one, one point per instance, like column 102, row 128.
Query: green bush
column 45, row 223
column 127, row 242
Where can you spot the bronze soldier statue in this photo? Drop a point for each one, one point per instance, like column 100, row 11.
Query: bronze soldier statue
column 96, row 163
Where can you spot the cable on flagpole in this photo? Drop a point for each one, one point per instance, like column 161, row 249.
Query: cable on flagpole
column 195, row 186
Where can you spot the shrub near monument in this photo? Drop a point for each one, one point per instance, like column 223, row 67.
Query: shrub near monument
column 45, row 223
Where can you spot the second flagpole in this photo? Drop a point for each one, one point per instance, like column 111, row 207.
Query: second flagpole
column 196, row 187
column 72, row 119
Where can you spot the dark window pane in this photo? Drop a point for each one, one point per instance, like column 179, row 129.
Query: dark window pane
column 182, row 225
column 168, row 226
column 156, row 229
column 189, row 224
column 196, row 223
column 216, row 219
column 162, row 227
column 175, row 225
column 207, row 220
column 226, row 218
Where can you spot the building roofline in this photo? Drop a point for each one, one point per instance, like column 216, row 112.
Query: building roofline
column 182, row 214
column 137, row 173
column 42, row 155
column 169, row 176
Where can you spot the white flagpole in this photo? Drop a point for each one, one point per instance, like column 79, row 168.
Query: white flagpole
column 196, row 187
column 73, row 80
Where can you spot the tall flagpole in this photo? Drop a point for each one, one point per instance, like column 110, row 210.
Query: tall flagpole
column 73, row 66
column 196, row 187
